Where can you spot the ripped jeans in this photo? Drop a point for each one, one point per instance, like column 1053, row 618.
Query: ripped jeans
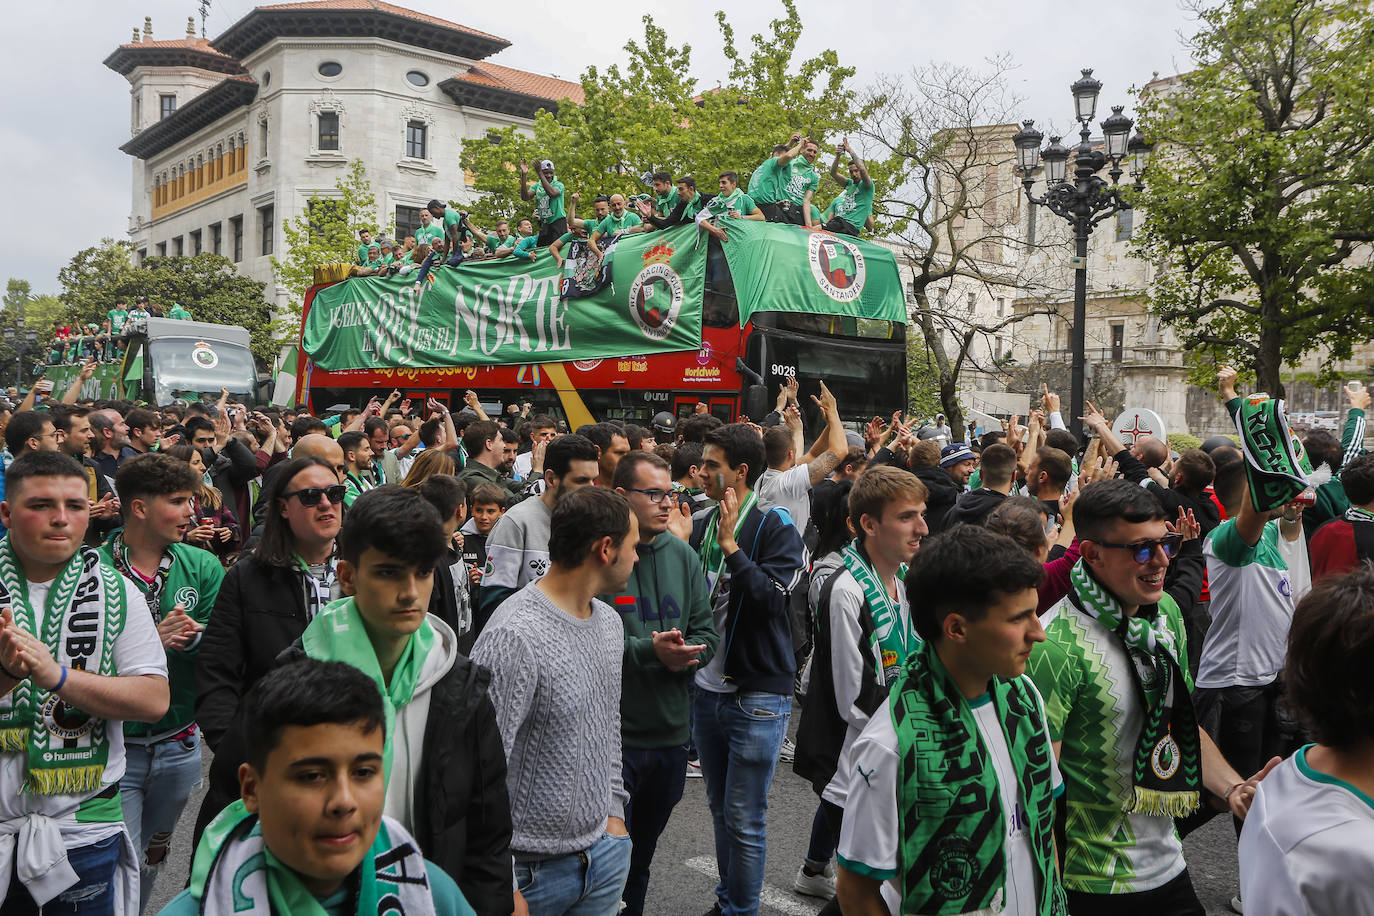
column 158, row 779
column 91, row 895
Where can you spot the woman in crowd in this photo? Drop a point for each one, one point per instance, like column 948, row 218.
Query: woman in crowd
column 216, row 528
column 429, row 462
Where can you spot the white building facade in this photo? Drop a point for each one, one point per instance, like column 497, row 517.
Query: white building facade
column 231, row 137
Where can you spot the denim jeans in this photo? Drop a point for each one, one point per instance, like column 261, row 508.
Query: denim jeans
column 825, row 834
column 654, row 778
column 738, row 736
column 91, row 895
column 587, row 883
column 158, row 779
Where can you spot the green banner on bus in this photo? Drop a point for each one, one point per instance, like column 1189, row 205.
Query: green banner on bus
column 782, row 268
column 509, row 311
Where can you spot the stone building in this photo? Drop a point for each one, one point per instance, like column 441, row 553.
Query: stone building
column 230, row 137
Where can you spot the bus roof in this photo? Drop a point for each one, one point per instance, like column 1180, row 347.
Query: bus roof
column 175, row 327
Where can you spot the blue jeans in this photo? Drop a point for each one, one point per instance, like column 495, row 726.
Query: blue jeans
column 738, row 736
column 587, row 883
column 655, row 779
column 158, row 779
column 91, row 895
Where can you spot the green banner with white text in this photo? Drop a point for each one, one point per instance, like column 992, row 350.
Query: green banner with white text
column 783, row 268
column 508, row 311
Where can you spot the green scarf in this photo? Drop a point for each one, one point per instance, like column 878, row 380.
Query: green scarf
column 235, row 874
column 952, row 829
column 67, row 749
column 1167, row 766
column 893, row 637
column 338, row 634
column 1356, row 514
column 1275, row 460
column 712, row 557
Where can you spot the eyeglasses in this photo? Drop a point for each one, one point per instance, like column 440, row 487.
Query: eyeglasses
column 655, row 496
column 1146, row 549
column 310, row 496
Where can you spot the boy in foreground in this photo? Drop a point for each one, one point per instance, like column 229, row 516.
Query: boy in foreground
column 950, row 807
column 308, row 835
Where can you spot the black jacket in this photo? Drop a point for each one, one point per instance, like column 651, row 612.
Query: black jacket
column 678, row 217
column 973, row 507
column 259, row 613
column 231, row 472
column 756, row 638
column 462, row 810
column 944, row 492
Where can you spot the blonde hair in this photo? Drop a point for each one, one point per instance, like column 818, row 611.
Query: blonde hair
column 879, row 485
column 429, row 462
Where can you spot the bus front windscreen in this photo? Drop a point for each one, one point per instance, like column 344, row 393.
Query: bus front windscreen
column 868, row 378
column 198, row 367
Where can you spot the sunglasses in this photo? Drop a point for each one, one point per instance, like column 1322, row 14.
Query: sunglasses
column 310, row 496
column 1143, row 550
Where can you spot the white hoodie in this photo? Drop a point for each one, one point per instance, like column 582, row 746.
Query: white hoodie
column 407, row 743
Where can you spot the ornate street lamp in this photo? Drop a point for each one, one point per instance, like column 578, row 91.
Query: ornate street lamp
column 1084, row 201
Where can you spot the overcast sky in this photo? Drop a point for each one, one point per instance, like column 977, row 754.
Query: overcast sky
column 67, row 183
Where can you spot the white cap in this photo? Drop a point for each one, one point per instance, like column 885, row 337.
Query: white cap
column 545, row 164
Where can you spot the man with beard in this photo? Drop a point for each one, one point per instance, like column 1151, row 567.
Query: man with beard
column 518, row 547
column 357, row 449
column 946, row 482
column 487, row 461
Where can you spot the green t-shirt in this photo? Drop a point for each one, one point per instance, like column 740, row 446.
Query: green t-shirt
column 549, row 209
column 721, row 205
column 801, row 177
column 495, row 244
column 117, row 318
column 764, row 183
column 448, row 899
column 1088, row 683
column 525, row 247
column 179, row 311
column 612, row 226
column 425, row 234
column 452, row 222
column 854, row 205
column 192, row 581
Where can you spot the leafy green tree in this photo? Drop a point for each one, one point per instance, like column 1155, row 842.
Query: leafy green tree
column 23, row 313
column 652, row 114
column 207, row 284
column 1259, row 203
column 326, row 231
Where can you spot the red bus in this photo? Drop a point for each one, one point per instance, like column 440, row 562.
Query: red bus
column 736, row 372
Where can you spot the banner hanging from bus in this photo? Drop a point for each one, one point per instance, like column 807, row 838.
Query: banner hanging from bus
column 778, row 268
column 509, row 311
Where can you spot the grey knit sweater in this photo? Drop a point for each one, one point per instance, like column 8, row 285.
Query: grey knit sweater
column 556, row 686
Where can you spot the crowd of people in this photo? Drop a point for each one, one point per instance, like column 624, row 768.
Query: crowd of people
column 780, row 190
column 453, row 663
column 106, row 341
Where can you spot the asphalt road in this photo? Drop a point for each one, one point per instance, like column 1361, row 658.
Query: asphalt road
column 683, row 877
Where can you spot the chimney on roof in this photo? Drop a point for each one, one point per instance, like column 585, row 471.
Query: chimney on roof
column 147, row 28
column 190, row 26
column 135, row 38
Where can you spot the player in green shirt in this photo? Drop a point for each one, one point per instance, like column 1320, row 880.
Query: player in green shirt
column 601, row 208
column 548, row 201
column 619, row 221
column 179, row 312
column 365, row 237
column 848, row 213
column 117, row 317
column 730, row 203
column 429, row 229
column 525, row 248
column 800, row 183
column 763, row 185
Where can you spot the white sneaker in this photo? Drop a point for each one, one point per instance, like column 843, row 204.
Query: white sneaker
column 788, row 750
column 1236, row 904
column 822, row 885
column 694, row 769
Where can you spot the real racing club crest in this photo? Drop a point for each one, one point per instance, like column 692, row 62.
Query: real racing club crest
column 837, row 264
column 656, row 294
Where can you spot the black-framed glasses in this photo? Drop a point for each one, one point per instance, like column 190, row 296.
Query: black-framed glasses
column 655, row 496
column 310, row 496
column 1143, row 550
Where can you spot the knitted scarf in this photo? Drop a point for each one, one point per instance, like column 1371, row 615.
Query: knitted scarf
column 1167, row 766
column 952, row 828
column 66, row 748
column 1356, row 514
column 235, row 874
column 317, row 591
column 893, row 637
column 1275, row 461
column 338, row 634
column 119, row 553
column 712, row 557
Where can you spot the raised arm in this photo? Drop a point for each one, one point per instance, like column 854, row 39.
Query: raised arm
column 525, row 192
column 798, row 139
column 74, row 392
column 836, row 446
column 854, row 157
